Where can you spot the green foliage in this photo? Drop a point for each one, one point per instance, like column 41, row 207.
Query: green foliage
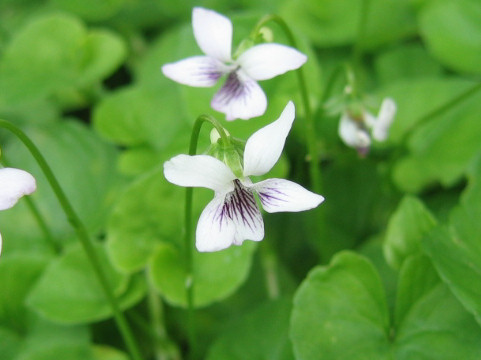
column 340, row 312
column 66, row 293
column 387, row 268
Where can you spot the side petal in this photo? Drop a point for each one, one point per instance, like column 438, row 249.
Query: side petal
column 213, row 33
column 264, row 147
column 384, row 119
column 229, row 219
column 352, row 134
column 265, row 61
column 240, row 98
column 199, row 171
column 14, row 183
column 198, row 71
column 283, row 195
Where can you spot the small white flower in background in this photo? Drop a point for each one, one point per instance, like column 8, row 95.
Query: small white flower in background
column 233, row 215
column 14, row 184
column 240, row 97
column 358, row 132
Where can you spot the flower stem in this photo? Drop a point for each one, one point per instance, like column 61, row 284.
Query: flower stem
column 83, row 236
column 42, row 223
column 188, row 240
column 310, row 130
column 443, row 108
column 361, row 32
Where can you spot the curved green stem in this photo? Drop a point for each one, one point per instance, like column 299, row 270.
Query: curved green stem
column 188, row 240
column 83, row 236
column 444, row 107
column 310, row 130
column 42, row 223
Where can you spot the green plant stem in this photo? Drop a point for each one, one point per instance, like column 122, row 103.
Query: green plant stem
column 310, row 130
column 269, row 263
column 188, row 240
column 83, row 236
column 443, row 108
column 361, row 32
column 42, row 223
column 162, row 346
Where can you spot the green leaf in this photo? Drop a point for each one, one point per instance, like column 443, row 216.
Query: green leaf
column 216, row 275
column 93, row 10
column 55, row 54
column 102, row 352
column 416, row 98
column 260, row 334
column 84, row 166
column 340, row 312
column 406, row 229
column 18, row 273
column 158, row 208
column 69, row 290
column 417, row 278
column 452, row 32
column 406, row 61
column 141, row 116
column 442, row 148
column 435, row 325
column 336, row 22
column 10, row 343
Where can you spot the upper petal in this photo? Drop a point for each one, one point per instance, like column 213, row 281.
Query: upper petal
column 230, row 218
column 240, row 98
column 352, row 134
column 199, row 71
column 265, row 61
column 264, row 147
column 198, row 171
column 284, row 195
column 14, row 183
column 384, row 119
column 213, row 33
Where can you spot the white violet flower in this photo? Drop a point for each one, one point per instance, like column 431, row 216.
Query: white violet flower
column 14, row 183
column 358, row 132
column 240, row 96
column 233, row 215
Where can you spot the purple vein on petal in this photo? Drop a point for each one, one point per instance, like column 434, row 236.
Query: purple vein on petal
column 240, row 206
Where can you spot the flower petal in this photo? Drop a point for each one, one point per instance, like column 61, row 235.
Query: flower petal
column 240, row 98
column 352, row 134
column 384, row 119
column 199, row 71
column 199, row 171
column 265, row 61
column 14, row 183
column 213, row 33
column 264, row 147
column 230, row 218
column 283, row 195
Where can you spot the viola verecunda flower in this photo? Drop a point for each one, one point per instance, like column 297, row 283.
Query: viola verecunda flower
column 240, row 97
column 14, row 184
column 233, row 215
column 357, row 132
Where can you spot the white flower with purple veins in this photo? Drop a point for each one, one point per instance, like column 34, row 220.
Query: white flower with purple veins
column 240, row 97
column 358, row 132
column 14, row 183
column 233, row 215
